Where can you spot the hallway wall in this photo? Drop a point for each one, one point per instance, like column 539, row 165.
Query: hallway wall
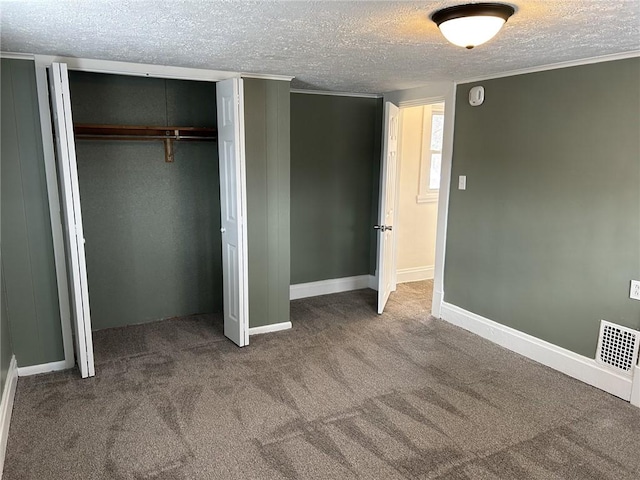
column 417, row 220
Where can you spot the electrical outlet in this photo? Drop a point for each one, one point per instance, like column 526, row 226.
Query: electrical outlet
column 634, row 292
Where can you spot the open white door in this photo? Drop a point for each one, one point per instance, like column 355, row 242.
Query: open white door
column 72, row 215
column 233, row 206
column 387, row 205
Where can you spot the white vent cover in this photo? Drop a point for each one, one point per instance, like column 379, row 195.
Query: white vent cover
column 617, row 346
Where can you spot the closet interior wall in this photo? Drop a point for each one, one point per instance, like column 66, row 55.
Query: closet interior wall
column 152, row 228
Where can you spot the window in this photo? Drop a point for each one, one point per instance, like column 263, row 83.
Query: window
column 432, row 135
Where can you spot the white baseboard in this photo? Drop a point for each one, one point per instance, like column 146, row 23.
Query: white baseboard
column 325, row 287
column 572, row 364
column 6, row 407
column 42, row 368
column 415, row 274
column 373, row 282
column 635, row 389
column 275, row 327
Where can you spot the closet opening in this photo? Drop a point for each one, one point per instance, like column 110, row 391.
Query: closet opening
column 149, row 182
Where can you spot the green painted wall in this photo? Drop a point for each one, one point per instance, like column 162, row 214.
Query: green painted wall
column 27, row 246
column 267, row 142
column 546, row 237
column 6, row 349
column 335, row 158
column 152, row 228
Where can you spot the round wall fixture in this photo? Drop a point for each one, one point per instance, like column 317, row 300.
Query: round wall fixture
column 476, row 96
column 473, row 24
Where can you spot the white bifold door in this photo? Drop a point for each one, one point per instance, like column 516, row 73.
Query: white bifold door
column 233, row 204
column 386, row 244
column 72, row 216
column 230, row 113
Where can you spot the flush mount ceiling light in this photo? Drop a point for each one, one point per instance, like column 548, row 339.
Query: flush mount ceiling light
column 473, row 24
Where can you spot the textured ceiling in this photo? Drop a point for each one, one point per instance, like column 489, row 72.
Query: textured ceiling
column 342, row 46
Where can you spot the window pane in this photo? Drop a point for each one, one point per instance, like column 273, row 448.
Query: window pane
column 434, row 171
column 437, row 126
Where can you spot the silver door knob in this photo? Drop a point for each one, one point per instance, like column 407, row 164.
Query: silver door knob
column 378, row 227
column 222, row 230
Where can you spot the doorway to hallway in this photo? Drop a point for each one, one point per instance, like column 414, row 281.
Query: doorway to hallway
column 410, row 183
column 418, row 183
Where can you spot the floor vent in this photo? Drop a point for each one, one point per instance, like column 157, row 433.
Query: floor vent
column 617, row 346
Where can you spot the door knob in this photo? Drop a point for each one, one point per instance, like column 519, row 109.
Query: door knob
column 378, row 227
column 222, row 230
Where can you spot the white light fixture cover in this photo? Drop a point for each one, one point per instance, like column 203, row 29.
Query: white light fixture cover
column 471, row 31
column 472, row 25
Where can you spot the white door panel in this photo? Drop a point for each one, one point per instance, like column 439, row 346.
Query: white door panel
column 72, row 215
column 386, row 259
column 230, row 106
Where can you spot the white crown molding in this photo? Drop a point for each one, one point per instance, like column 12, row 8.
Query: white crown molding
column 6, row 407
column 167, row 71
column 585, row 369
column 267, row 76
column 141, row 69
column 274, row 327
column 552, row 66
column 17, row 56
column 136, row 69
column 335, row 94
column 42, row 368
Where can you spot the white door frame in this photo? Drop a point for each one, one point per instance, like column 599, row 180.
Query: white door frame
column 396, row 221
column 435, row 93
column 96, row 66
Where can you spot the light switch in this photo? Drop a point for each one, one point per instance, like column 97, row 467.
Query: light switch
column 462, row 182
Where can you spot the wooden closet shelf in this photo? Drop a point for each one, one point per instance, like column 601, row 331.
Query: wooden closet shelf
column 137, row 132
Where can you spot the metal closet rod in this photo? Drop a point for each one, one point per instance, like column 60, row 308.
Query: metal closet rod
column 144, row 132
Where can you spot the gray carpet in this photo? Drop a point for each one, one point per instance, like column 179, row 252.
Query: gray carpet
column 345, row 394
